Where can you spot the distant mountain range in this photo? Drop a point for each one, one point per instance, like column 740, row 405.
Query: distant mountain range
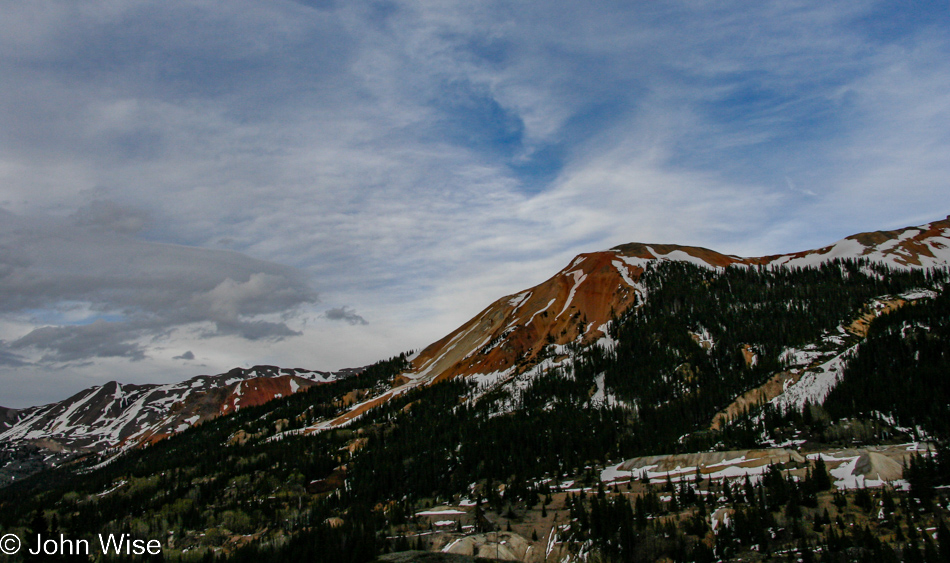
column 117, row 415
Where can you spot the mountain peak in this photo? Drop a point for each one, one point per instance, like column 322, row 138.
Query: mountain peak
column 576, row 304
column 573, row 305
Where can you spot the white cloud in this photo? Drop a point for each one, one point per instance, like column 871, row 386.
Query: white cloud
column 184, row 170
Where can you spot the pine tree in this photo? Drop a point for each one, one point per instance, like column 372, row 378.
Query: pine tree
column 820, row 476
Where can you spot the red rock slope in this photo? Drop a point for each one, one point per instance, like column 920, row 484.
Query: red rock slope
column 575, row 304
column 572, row 306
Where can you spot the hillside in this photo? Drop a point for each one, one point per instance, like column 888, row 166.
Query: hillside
column 674, row 404
column 117, row 415
column 576, row 305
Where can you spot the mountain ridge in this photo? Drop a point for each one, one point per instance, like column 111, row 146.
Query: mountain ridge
column 717, row 390
column 576, row 305
column 616, row 272
column 119, row 415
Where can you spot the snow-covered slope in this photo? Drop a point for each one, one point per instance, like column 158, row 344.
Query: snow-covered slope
column 912, row 247
column 120, row 414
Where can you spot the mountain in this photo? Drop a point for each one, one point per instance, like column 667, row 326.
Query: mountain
column 649, row 402
column 577, row 304
column 117, row 415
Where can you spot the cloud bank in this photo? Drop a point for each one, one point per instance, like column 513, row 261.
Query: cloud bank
column 109, row 293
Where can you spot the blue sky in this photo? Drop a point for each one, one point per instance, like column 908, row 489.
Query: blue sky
column 187, row 187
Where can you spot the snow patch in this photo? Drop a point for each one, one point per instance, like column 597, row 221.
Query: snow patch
column 624, row 273
column 518, row 300
column 485, row 381
column 104, row 493
column 681, row 256
column 704, row 338
column 915, row 294
column 613, row 472
column 579, row 277
column 606, row 342
column 600, row 396
column 815, row 384
column 445, row 512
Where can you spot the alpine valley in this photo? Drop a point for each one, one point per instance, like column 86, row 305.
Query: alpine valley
column 650, row 402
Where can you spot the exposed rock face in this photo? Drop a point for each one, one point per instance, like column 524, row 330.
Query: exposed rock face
column 503, row 546
column 871, row 466
column 574, row 304
column 709, row 463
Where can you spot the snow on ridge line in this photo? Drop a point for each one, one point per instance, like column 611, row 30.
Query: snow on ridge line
column 845, row 248
column 888, row 245
column 897, row 252
column 637, row 262
column 683, row 256
column 122, row 415
column 892, row 252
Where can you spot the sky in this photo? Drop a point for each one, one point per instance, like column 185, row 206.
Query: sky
column 192, row 186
